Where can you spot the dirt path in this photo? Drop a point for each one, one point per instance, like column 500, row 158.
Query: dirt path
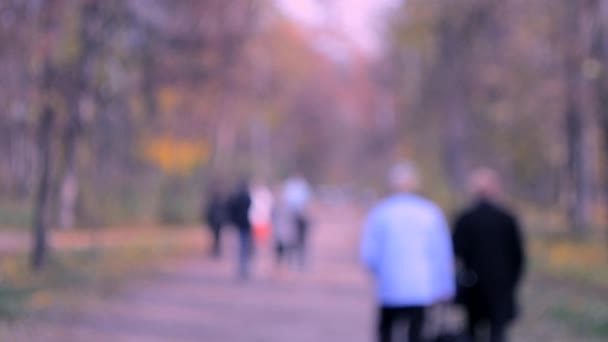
column 200, row 300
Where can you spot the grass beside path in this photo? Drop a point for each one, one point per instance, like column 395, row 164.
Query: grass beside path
column 82, row 261
column 567, row 286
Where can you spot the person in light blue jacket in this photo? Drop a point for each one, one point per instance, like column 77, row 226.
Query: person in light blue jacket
column 407, row 247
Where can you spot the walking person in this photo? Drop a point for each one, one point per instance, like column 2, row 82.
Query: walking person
column 260, row 214
column 489, row 248
column 297, row 195
column 284, row 233
column 238, row 207
column 407, row 247
column 214, row 214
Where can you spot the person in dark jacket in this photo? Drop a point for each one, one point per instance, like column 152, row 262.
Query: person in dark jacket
column 215, row 216
column 489, row 248
column 238, row 208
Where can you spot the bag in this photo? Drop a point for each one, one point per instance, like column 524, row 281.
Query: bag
column 450, row 337
column 443, row 333
column 261, row 231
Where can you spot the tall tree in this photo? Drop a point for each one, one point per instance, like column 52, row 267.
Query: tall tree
column 597, row 66
column 47, row 81
column 578, row 192
column 78, row 76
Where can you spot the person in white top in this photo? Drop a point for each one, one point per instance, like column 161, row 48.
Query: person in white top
column 260, row 213
column 296, row 196
column 407, row 247
column 297, row 193
column 284, row 233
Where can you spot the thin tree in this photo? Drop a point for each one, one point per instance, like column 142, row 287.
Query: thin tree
column 41, row 209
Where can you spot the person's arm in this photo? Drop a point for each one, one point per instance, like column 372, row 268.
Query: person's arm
column 443, row 257
column 458, row 238
column 370, row 243
column 229, row 205
column 518, row 253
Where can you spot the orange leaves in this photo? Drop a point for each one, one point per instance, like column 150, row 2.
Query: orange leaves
column 41, row 300
column 168, row 99
column 570, row 253
column 176, row 155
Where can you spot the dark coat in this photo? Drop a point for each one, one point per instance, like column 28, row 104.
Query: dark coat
column 488, row 243
column 238, row 209
column 215, row 211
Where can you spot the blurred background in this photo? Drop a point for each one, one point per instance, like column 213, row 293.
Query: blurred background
column 116, row 117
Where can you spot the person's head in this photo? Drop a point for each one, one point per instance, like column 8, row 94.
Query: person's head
column 243, row 183
column 403, row 177
column 485, row 183
column 214, row 186
column 295, row 174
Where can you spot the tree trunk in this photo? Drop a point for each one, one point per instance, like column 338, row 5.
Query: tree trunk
column 260, row 147
column 454, row 91
column 74, row 94
column 148, row 82
column 455, row 153
column 69, row 182
column 40, row 246
column 599, row 54
column 225, row 145
column 578, row 196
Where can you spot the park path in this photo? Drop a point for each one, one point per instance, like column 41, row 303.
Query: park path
column 198, row 299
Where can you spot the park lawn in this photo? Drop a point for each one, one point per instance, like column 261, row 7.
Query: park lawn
column 79, row 265
column 569, row 279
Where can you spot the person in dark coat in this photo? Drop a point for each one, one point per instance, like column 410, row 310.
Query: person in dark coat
column 215, row 215
column 238, row 209
column 489, row 248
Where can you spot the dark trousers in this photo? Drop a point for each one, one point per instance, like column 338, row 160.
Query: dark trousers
column 413, row 316
column 475, row 326
column 301, row 244
column 283, row 252
column 216, row 241
column 245, row 252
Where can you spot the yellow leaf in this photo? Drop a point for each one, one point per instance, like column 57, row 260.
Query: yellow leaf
column 167, row 99
column 40, row 299
column 176, row 155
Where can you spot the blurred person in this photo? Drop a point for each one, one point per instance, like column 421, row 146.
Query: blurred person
column 489, row 248
column 296, row 195
column 238, row 209
column 284, row 233
column 215, row 216
column 407, row 247
column 260, row 213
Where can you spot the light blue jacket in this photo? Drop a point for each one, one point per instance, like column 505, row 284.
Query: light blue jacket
column 407, row 246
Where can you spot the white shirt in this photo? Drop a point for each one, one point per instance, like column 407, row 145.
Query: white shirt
column 261, row 206
column 296, row 194
column 407, row 246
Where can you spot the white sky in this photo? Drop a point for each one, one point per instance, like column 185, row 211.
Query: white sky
column 358, row 18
